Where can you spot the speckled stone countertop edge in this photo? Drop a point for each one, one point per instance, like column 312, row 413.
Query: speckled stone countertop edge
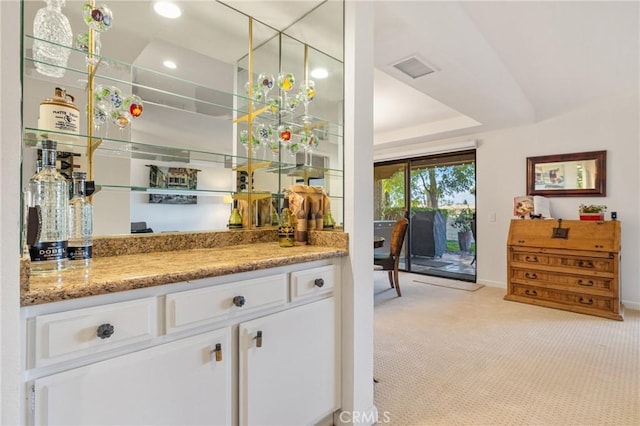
column 121, row 273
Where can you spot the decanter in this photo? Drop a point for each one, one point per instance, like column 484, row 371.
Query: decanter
column 54, row 31
column 48, row 204
column 80, row 223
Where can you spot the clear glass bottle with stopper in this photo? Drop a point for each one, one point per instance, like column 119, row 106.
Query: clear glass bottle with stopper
column 54, row 32
column 80, row 223
column 47, row 207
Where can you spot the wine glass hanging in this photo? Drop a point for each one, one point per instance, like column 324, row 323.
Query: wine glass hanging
column 284, row 136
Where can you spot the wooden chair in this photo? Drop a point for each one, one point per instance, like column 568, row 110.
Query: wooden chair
column 390, row 261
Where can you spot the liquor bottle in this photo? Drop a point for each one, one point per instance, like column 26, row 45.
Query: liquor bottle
column 286, row 230
column 311, row 217
column 235, row 220
column 54, row 32
column 80, row 223
column 301, row 223
column 327, row 220
column 48, row 204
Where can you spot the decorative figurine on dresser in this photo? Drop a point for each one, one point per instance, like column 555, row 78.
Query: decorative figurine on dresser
column 565, row 264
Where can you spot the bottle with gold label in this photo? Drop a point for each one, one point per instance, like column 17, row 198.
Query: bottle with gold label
column 286, row 230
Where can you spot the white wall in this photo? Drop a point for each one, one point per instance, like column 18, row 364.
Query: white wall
column 612, row 125
column 10, row 212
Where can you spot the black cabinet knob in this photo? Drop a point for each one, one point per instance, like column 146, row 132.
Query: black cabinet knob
column 239, row 301
column 319, row 282
column 105, row 331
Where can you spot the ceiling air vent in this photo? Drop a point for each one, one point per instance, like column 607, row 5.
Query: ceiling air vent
column 413, row 67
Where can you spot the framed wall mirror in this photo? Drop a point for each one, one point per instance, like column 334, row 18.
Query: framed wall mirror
column 580, row 174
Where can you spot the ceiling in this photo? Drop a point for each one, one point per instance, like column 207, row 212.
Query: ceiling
column 500, row 64
column 497, row 64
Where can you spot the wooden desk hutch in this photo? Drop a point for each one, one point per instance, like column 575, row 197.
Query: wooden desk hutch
column 579, row 273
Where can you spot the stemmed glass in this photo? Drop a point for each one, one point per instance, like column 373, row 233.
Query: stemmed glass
column 257, row 93
column 307, row 93
column 244, row 140
column 265, row 83
column 285, row 137
column 263, row 133
column 82, row 43
column 285, row 83
column 309, row 142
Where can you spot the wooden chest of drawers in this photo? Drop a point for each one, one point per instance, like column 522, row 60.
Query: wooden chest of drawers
column 578, row 273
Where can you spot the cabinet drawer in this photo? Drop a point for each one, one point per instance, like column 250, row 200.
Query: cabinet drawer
column 572, row 282
column 197, row 307
column 66, row 335
column 588, row 301
column 580, row 263
column 312, row 282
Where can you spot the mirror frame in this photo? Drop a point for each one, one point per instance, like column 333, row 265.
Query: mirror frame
column 600, row 189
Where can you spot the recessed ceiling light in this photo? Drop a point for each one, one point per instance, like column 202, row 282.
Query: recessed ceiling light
column 319, row 73
column 167, row 9
column 170, row 64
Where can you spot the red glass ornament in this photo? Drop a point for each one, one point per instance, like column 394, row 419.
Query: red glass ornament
column 285, row 135
column 135, row 110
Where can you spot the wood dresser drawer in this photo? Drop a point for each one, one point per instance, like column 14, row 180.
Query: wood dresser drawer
column 582, row 263
column 198, row 307
column 71, row 334
column 313, row 282
column 584, row 283
column 584, row 301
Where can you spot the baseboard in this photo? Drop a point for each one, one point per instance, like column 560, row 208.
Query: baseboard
column 633, row 306
column 489, row 283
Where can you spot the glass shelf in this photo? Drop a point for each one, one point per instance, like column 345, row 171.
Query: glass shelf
column 122, row 148
column 255, row 195
column 179, row 93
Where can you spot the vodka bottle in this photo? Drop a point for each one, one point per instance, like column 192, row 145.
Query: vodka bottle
column 48, row 203
column 80, row 223
column 51, row 56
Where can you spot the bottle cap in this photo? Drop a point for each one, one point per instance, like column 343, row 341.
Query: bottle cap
column 49, row 144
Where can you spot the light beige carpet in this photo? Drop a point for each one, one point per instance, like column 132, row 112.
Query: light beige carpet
column 448, row 357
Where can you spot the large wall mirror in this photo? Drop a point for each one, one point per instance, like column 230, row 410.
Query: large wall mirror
column 581, row 174
column 190, row 111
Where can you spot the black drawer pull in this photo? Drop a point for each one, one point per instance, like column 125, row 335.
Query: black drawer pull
column 531, row 292
column 319, row 282
column 239, row 301
column 585, row 263
column 586, row 301
column 585, row 283
column 531, row 259
column 531, row 276
column 105, row 331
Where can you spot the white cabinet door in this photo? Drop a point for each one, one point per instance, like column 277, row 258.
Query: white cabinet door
column 290, row 377
column 178, row 383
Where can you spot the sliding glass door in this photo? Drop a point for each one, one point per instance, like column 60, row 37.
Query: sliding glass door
column 437, row 193
column 390, row 203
